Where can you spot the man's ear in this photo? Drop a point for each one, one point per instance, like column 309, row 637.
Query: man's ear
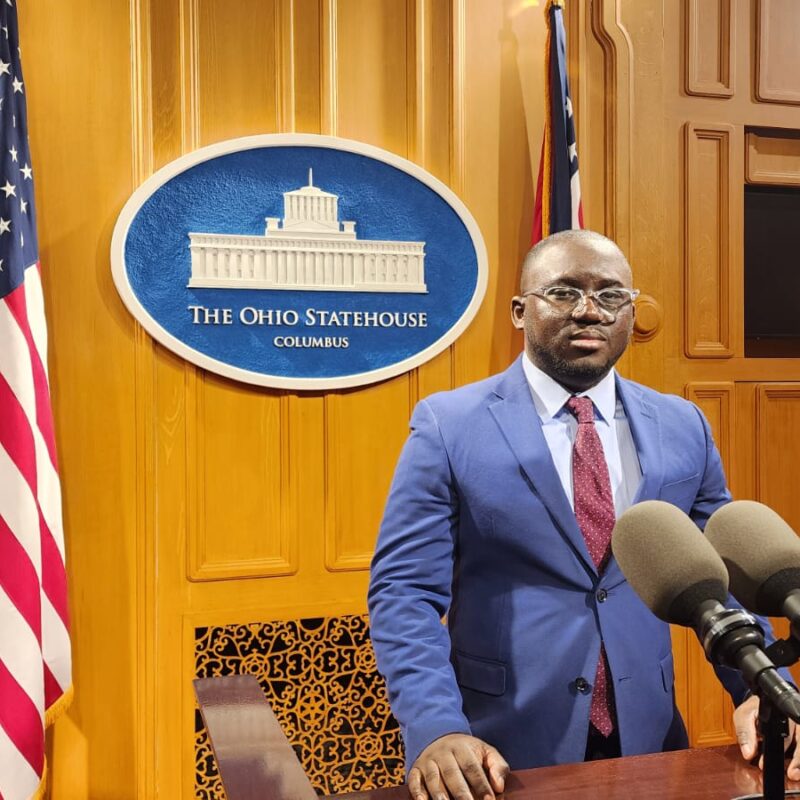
column 518, row 312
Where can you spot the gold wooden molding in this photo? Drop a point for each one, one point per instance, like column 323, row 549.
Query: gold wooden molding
column 696, row 40
column 615, row 42
column 700, row 228
column 765, row 25
column 719, row 394
column 772, row 161
column 767, row 394
column 649, row 318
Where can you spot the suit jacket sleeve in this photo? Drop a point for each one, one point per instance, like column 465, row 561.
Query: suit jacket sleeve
column 410, row 589
column 713, row 494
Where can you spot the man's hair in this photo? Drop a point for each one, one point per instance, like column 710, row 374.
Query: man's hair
column 535, row 254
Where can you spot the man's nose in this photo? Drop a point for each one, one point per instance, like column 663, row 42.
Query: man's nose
column 589, row 309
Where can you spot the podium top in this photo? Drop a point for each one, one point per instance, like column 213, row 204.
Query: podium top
column 717, row 773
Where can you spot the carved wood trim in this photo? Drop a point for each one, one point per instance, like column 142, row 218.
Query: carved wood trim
column 200, row 567
column 615, row 42
column 766, row 394
column 766, row 166
column 698, row 310
column 695, row 42
column 720, row 393
column 764, row 29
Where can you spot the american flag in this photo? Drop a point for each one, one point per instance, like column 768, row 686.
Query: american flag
column 558, row 189
column 35, row 662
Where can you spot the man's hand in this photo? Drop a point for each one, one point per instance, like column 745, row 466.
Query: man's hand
column 460, row 767
column 745, row 718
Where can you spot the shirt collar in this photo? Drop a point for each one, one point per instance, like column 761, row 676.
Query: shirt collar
column 549, row 396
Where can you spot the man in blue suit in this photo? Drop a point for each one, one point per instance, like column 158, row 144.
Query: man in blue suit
column 548, row 656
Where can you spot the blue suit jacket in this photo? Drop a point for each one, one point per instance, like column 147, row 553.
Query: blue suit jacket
column 478, row 528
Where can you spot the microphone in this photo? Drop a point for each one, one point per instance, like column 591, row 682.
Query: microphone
column 681, row 579
column 762, row 554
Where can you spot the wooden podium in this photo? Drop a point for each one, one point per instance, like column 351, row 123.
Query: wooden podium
column 710, row 774
column 256, row 762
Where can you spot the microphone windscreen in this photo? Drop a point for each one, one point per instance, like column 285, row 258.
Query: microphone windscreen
column 667, row 561
column 761, row 552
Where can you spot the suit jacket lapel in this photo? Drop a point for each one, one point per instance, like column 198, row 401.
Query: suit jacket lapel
column 522, row 429
column 646, row 431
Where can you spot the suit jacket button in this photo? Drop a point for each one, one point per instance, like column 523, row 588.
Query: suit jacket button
column 602, row 596
column 582, row 685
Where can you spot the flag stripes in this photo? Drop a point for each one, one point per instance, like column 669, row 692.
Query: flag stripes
column 558, row 192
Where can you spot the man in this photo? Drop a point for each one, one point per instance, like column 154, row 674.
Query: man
column 499, row 517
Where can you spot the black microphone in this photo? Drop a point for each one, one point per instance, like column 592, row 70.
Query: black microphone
column 681, row 579
column 762, row 554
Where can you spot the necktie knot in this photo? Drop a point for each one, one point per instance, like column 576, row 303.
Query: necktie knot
column 582, row 408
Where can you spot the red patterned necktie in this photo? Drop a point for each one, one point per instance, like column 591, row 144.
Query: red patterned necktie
column 594, row 510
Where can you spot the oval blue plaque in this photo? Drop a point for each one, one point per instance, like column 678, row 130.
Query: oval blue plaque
column 299, row 261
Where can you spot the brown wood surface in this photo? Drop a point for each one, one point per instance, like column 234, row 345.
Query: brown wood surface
column 254, row 756
column 709, row 774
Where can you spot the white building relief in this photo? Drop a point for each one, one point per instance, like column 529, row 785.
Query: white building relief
column 311, row 250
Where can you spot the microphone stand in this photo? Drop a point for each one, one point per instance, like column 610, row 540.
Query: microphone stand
column 774, row 725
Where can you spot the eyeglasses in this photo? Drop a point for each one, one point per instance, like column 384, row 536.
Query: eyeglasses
column 568, row 298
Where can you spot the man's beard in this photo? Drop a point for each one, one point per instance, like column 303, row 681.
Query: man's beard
column 562, row 370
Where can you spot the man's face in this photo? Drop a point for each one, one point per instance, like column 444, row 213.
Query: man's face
column 575, row 347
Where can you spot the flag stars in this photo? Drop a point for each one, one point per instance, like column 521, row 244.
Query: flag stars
column 17, row 84
column 23, row 206
column 5, row 67
column 4, row 28
column 9, row 189
column 27, row 172
column 13, row 152
column 5, row 226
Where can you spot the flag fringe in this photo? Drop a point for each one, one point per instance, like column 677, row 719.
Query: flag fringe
column 41, row 792
column 59, row 707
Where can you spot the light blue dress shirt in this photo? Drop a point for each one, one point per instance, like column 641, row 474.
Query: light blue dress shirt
column 560, row 428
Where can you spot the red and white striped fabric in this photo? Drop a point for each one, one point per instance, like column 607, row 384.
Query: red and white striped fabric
column 35, row 663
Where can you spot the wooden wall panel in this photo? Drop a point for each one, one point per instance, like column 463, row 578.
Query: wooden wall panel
column 360, row 460
column 710, row 711
column 778, row 57
column 709, row 235
column 236, row 62
column 374, row 80
column 716, row 401
column 241, row 485
column 710, row 721
column 778, row 431
column 773, row 160
column 84, row 168
column 710, row 53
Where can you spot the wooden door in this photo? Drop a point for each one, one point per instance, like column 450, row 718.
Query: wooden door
column 669, row 93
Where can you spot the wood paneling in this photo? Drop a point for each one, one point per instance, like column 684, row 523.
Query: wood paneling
column 236, row 61
column 710, row 54
column 710, row 721
column 773, row 160
column 778, row 430
column 359, row 462
column 276, row 497
column 241, row 484
column 716, row 401
column 204, row 501
column 778, row 57
column 709, row 237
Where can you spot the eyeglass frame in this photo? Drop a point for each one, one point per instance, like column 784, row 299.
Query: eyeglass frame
column 586, row 296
